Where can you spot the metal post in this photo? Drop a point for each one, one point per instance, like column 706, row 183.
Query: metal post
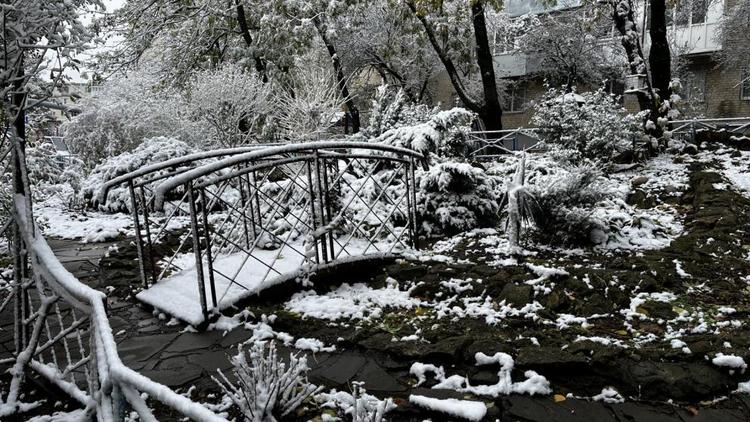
column 243, row 203
column 209, row 254
column 311, row 191
column 197, row 250
column 321, row 194
column 328, row 208
column 407, row 181
column 414, row 203
column 147, row 224
column 138, row 239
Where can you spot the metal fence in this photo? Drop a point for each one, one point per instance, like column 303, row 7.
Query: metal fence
column 61, row 331
column 687, row 129
column 486, row 145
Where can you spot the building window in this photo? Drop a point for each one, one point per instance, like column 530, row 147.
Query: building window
column 745, row 84
column 694, row 87
column 690, row 12
column 515, row 98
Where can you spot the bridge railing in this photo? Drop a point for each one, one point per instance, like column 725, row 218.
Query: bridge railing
column 486, row 145
column 62, row 332
column 687, row 129
column 261, row 217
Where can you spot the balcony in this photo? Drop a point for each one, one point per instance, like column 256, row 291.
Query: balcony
column 512, row 64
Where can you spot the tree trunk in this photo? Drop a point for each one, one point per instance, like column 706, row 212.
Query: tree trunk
column 341, row 79
column 659, row 58
column 492, row 112
column 17, row 110
column 624, row 19
column 260, row 64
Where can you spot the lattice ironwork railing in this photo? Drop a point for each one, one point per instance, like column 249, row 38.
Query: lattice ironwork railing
column 687, row 129
column 256, row 218
column 61, row 331
column 486, row 145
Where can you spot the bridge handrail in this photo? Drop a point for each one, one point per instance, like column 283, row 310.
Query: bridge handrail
column 92, row 302
column 181, row 179
column 177, row 161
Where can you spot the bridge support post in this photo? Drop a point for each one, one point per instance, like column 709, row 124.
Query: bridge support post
column 209, row 253
column 321, row 196
column 147, row 226
column 138, row 238
column 413, row 207
column 197, row 250
column 313, row 219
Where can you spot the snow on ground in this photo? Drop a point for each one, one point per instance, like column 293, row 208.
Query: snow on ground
column 236, row 276
column 356, row 301
column 90, row 226
column 737, row 170
column 464, row 409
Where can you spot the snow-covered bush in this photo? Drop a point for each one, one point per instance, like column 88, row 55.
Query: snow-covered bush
column 455, row 197
column 591, row 123
column 391, row 109
column 266, row 389
column 122, row 113
column 565, row 201
column 52, row 173
column 444, row 134
column 357, row 406
column 230, row 102
column 310, row 105
column 153, row 150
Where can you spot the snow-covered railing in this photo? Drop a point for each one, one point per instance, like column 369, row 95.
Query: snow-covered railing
column 264, row 216
column 62, row 332
column 493, row 143
column 739, row 126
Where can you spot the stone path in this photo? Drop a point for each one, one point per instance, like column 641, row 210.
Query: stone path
column 180, row 359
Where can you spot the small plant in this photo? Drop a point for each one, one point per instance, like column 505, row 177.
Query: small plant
column 367, row 408
column 521, row 204
column 266, row 388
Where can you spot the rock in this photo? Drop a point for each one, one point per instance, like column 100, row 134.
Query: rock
column 639, row 180
column 516, row 295
column 689, row 149
column 640, row 199
column 657, row 310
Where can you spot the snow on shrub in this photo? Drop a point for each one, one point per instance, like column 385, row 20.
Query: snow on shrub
column 565, row 201
column 266, row 388
column 152, row 150
column 444, row 134
column 358, row 406
column 391, row 109
column 455, row 197
column 591, row 123
column 53, row 174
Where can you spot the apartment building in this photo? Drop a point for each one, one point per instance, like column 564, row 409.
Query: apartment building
column 709, row 89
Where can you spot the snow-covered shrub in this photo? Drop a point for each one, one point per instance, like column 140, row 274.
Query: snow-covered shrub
column 444, row 134
column 153, row 150
column 591, row 123
column 357, row 406
column 455, row 197
column 122, row 113
column 565, row 202
column 266, row 389
column 310, row 105
column 231, row 103
column 52, row 173
column 391, row 109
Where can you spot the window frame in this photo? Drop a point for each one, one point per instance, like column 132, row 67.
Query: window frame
column 745, row 84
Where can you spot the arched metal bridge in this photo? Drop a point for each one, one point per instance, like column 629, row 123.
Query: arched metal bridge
column 250, row 218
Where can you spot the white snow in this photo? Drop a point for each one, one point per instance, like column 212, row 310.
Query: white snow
column 465, row 409
column 608, row 395
column 313, row 345
column 357, row 301
column 729, row 361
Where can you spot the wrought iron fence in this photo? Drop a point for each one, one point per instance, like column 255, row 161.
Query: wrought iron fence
column 258, row 218
column 687, row 129
column 486, row 145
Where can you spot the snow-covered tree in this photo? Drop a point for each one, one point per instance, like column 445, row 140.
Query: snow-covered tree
column 457, row 31
column 568, row 49
column 734, row 37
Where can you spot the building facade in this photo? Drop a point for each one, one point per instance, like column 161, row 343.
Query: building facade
column 710, row 90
